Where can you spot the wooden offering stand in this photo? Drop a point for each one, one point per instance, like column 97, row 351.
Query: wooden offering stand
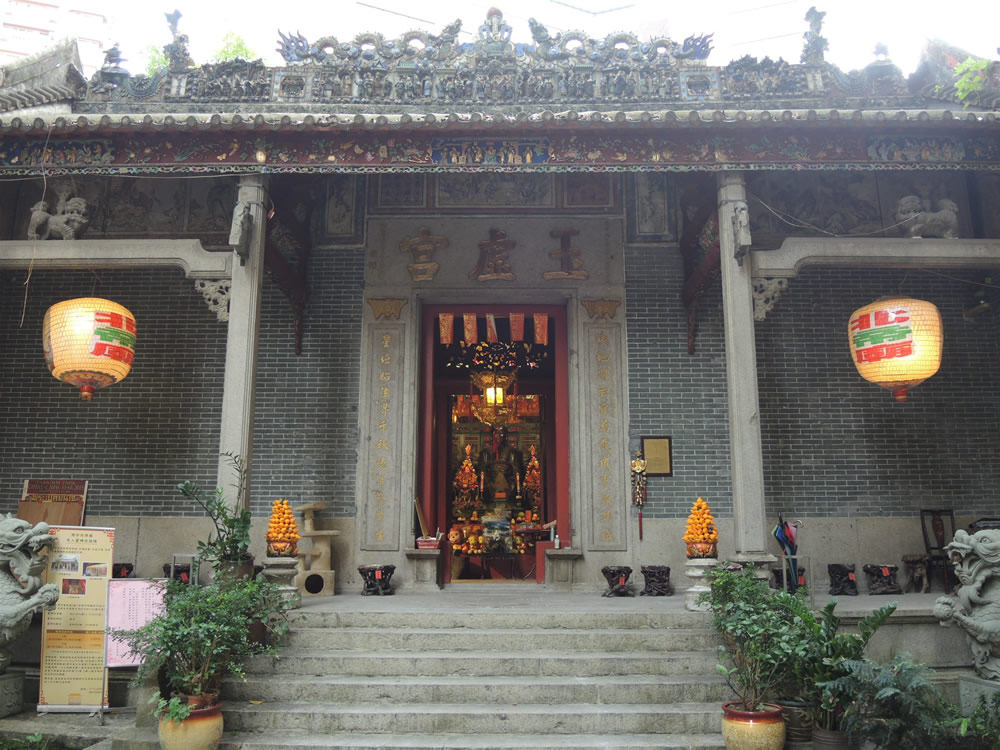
column 314, row 572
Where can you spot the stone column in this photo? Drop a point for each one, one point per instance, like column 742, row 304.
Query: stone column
column 741, row 367
column 236, row 434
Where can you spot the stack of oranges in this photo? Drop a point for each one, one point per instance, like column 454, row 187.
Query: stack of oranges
column 282, row 532
column 701, row 525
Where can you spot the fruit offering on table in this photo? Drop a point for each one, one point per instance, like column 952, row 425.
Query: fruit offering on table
column 701, row 527
column 282, row 532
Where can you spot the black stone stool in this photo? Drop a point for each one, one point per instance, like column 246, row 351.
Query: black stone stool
column 376, row 579
column 842, row 579
column 617, row 577
column 657, row 580
column 882, row 579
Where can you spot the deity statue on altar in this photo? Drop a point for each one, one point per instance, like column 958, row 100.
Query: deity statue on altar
column 501, row 472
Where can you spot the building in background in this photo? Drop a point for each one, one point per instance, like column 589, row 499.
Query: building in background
column 28, row 27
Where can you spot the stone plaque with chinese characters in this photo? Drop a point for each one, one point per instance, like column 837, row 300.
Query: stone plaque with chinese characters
column 382, row 440
column 602, row 384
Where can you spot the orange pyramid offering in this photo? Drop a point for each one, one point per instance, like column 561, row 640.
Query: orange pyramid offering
column 701, row 534
column 282, row 532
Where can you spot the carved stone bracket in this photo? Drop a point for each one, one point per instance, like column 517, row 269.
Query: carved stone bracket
column 216, row 294
column 765, row 295
column 601, row 308
column 387, row 308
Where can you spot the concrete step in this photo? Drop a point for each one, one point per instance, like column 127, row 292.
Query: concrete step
column 475, row 718
column 507, row 640
column 483, row 663
column 599, row 614
column 145, row 739
column 657, row 689
column 358, row 741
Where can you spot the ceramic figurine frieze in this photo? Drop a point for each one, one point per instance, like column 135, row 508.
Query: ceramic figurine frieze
column 976, row 606
column 23, row 553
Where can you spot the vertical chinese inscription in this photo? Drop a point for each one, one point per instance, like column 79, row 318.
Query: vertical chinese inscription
column 381, row 503
column 607, row 443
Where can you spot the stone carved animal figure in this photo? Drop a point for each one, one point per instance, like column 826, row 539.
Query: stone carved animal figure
column 976, row 606
column 920, row 223
column 23, row 553
column 67, row 224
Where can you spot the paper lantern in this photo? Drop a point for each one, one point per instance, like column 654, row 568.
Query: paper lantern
column 88, row 342
column 896, row 343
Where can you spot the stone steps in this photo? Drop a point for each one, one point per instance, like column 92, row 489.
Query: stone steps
column 475, row 718
column 632, row 688
column 485, row 678
column 471, row 639
column 484, row 663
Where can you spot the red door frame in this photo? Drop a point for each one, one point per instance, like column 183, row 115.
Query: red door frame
column 430, row 474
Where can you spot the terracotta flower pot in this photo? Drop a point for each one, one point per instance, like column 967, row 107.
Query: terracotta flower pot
column 702, row 549
column 752, row 730
column 202, row 730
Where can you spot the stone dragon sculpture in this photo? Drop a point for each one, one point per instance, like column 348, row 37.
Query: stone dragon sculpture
column 976, row 609
column 23, row 552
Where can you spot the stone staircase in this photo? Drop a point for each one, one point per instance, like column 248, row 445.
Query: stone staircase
column 607, row 678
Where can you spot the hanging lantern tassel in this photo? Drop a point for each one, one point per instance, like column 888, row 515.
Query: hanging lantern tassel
column 896, row 343
column 638, row 467
column 89, row 342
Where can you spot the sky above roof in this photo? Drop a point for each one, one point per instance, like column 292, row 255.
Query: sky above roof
column 759, row 28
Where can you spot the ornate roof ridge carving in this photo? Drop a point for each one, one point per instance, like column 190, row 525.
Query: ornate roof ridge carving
column 419, row 73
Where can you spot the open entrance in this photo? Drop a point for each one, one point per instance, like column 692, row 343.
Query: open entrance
column 494, row 448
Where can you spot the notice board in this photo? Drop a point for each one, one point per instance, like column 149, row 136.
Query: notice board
column 132, row 602
column 58, row 502
column 73, row 675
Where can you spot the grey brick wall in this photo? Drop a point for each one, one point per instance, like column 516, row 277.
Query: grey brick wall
column 674, row 393
column 306, row 428
column 835, row 444
column 137, row 439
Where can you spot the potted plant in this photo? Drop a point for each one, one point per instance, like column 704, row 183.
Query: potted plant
column 760, row 642
column 202, row 635
column 826, row 649
column 228, row 550
column 890, row 705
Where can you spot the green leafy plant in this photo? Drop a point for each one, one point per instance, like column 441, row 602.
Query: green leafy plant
column 231, row 541
column 762, row 640
column 31, row 742
column 826, row 649
column 980, row 730
column 890, row 705
column 234, row 47
column 205, row 633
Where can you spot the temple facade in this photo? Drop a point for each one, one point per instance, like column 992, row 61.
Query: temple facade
column 451, row 288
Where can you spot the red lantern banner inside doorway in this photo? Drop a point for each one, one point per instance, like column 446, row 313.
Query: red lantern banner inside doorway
column 89, row 342
column 896, row 343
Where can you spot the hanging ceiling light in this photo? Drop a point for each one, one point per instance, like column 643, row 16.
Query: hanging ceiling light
column 497, row 406
column 88, row 342
column 896, row 343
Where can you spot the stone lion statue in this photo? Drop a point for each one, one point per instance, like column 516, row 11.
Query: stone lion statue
column 66, row 224
column 23, row 553
column 976, row 609
column 920, row 223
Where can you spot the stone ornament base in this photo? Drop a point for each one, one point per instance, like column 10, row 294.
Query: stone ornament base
column 695, row 569
column 971, row 688
column 11, row 693
column 281, row 571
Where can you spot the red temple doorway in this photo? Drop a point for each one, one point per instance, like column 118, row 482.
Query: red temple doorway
column 494, row 447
